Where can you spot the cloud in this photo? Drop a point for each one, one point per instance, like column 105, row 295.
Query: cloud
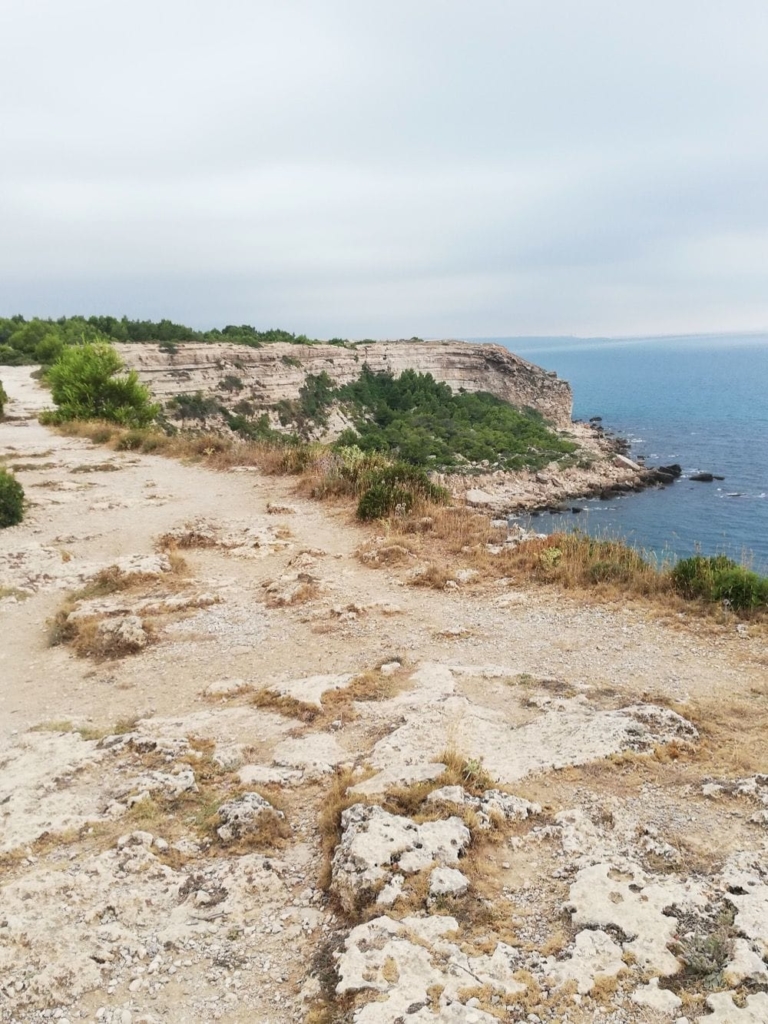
column 383, row 170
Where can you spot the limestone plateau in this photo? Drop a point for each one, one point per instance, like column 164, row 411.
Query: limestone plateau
column 277, row 371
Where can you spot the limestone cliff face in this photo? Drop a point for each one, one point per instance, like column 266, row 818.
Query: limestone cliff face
column 277, row 371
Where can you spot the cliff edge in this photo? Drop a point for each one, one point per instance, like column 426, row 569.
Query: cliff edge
column 276, row 372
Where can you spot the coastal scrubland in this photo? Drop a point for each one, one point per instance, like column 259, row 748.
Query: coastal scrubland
column 417, row 766
column 420, row 521
column 400, row 426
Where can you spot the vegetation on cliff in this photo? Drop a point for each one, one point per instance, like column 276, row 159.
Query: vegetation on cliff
column 423, row 422
column 40, row 341
column 412, row 418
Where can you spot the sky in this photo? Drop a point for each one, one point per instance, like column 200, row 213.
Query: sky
column 440, row 168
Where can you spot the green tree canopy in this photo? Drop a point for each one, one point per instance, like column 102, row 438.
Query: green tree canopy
column 87, row 383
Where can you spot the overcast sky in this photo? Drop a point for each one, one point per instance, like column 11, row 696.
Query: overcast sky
column 360, row 168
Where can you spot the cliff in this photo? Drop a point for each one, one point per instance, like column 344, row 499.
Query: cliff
column 275, row 372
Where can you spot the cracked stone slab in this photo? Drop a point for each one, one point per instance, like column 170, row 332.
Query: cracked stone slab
column 372, row 841
column 745, row 877
column 655, row 998
column 725, row 1011
column 594, row 955
column 406, row 962
column 745, row 965
column 567, row 732
column 310, row 689
column 604, row 896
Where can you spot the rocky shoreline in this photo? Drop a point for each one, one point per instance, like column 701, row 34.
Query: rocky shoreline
column 606, row 472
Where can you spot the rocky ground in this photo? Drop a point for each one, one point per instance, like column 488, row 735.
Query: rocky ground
column 245, row 776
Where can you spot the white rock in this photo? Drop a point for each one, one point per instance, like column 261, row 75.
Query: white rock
column 745, row 878
column 604, row 896
column 397, row 960
column 398, row 775
column 745, row 965
column 476, row 496
column 725, row 1011
column 310, row 689
column 448, row 795
column 226, row 687
column 595, row 954
column 122, row 633
column 260, row 775
column 242, row 816
column 447, row 882
column 391, row 892
column 372, row 840
column 390, row 667
column 655, row 998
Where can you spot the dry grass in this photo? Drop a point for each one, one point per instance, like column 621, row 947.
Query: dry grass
column 335, row 802
column 378, row 553
column 337, row 704
column 84, row 635
column 22, row 467
column 435, row 576
column 89, row 732
column 451, row 537
column 96, row 467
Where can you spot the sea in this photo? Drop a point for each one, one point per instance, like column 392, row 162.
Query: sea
column 700, row 401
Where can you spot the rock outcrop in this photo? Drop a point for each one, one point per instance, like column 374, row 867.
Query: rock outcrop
column 273, row 373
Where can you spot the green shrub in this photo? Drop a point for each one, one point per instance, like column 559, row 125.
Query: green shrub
column 131, row 442
column 3, row 399
column 381, row 500
column 719, row 578
column 741, row 588
column 85, row 386
column 193, row 407
column 420, row 420
column 397, row 488
column 11, row 500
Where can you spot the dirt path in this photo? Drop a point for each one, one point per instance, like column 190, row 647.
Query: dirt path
column 508, row 657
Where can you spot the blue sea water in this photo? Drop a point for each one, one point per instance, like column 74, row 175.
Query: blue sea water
column 698, row 401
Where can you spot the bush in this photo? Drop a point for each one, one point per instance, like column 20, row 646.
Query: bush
column 11, row 500
column 397, row 487
column 85, row 386
column 193, row 407
column 3, row 399
column 742, row 589
column 382, row 500
column 719, row 578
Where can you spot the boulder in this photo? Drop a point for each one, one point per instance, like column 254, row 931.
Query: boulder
column 447, row 882
column 674, row 470
column 243, row 816
column 124, row 634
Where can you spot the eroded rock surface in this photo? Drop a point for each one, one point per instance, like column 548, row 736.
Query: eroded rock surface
column 373, row 841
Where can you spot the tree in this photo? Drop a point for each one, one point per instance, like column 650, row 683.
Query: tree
column 85, row 386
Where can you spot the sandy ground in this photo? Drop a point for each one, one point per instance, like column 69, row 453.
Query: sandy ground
column 89, row 507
